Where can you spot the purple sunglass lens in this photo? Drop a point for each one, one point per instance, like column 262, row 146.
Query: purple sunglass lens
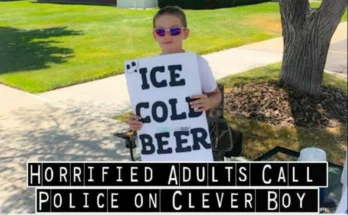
column 175, row 31
column 160, row 32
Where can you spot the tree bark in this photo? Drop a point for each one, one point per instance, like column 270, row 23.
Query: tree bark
column 307, row 34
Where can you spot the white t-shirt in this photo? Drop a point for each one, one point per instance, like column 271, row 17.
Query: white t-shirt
column 208, row 82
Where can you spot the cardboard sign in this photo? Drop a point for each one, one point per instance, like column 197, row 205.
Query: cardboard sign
column 159, row 89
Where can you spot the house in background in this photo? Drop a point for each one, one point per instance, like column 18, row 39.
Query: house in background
column 92, row 2
column 137, row 4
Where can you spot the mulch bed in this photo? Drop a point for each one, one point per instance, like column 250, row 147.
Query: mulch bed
column 268, row 101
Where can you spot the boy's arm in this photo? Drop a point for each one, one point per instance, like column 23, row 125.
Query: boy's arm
column 214, row 98
column 204, row 102
column 209, row 100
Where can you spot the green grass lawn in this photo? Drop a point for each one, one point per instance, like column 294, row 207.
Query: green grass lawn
column 260, row 137
column 48, row 46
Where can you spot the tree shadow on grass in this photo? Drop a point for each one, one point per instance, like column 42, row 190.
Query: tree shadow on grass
column 26, row 50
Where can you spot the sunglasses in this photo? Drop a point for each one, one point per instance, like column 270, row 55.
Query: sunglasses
column 161, row 32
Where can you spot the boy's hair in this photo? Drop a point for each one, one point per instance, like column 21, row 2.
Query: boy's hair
column 171, row 10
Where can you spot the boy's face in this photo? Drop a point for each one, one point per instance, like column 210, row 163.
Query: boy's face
column 168, row 43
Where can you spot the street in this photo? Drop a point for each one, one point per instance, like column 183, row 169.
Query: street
column 337, row 58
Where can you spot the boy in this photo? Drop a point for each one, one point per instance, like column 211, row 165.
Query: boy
column 170, row 29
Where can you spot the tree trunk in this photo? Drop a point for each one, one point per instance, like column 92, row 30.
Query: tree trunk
column 307, row 34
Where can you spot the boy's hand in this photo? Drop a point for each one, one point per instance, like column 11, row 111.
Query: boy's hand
column 134, row 122
column 201, row 102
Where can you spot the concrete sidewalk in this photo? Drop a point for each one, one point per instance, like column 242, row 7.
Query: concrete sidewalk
column 74, row 123
column 50, row 133
column 15, row 99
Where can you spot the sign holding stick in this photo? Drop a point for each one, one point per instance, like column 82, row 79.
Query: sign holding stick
column 160, row 89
